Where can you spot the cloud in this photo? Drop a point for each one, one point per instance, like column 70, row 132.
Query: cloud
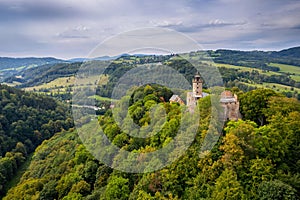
column 79, row 31
column 218, row 22
column 71, row 27
column 20, row 11
column 200, row 27
column 166, row 23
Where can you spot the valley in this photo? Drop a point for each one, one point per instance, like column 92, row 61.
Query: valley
column 44, row 155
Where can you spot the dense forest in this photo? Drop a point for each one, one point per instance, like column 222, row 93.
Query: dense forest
column 257, row 59
column 255, row 158
column 26, row 120
column 12, row 66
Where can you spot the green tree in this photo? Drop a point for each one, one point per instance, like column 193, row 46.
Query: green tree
column 49, row 191
column 117, row 188
column 81, row 187
column 228, row 187
column 90, row 170
column 281, row 106
column 20, row 147
column 73, row 196
column 276, row 190
column 253, row 103
column 65, row 184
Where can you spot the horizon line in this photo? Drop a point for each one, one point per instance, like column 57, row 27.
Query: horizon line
column 100, row 56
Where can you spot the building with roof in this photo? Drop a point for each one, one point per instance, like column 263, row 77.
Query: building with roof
column 231, row 106
column 176, row 99
column 229, row 101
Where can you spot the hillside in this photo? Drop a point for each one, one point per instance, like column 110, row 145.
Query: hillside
column 257, row 59
column 254, row 156
column 6, row 62
column 246, row 70
column 13, row 66
column 250, row 161
column 291, row 52
column 26, row 119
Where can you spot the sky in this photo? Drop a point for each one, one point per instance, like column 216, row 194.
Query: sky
column 73, row 28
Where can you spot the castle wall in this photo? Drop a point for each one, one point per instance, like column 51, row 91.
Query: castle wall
column 228, row 101
column 231, row 106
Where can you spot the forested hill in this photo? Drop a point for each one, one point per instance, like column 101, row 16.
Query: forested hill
column 46, row 73
column 6, row 62
column 257, row 59
column 26, row 119
column 253, row 59
column 256, row 158
column 246, row 70
column 291, row 52
column 13, row 66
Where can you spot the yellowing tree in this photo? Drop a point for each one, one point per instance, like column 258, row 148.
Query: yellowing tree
column 227, row 187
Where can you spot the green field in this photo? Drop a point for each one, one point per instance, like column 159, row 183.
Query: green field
column 13, row 84
column 64, row 81
column 242, row 68
column 60, row 84
column 291, row 69
column 284, row 69
column 296, row 77
column 99, row 98
column 294, row 71
column 280, row 87
column 275, row 86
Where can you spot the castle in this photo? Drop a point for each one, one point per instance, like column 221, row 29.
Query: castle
column 196, row 94
column 231, row 106
column 228, row 101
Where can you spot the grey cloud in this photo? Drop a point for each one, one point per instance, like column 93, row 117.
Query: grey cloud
column 222, row 23
column 55, row 27
column 200, row 27
column 78, row 32
column 296, row 26
column 34, row 10
column 72, row 36
column 18, row 43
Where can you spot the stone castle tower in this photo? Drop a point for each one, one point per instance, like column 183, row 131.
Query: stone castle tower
column 196, row 94
column 228, row 101
column 197, row 86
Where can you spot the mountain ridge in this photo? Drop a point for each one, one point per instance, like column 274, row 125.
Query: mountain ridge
column 295, row 51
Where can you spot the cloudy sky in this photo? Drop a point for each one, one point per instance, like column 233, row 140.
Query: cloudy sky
column 72, row 28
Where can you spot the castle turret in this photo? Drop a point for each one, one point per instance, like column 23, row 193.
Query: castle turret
column 197, row 86
column 192, row 97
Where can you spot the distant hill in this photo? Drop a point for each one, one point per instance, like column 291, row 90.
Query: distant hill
column 257, row 59
column 12, row 66
column 272, row 63
column 8, row 63
column 291, row 52
column 105, row 58
column 46, row 73
column 89, row 59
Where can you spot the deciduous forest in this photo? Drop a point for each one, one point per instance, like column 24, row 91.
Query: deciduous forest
column 255, row 158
